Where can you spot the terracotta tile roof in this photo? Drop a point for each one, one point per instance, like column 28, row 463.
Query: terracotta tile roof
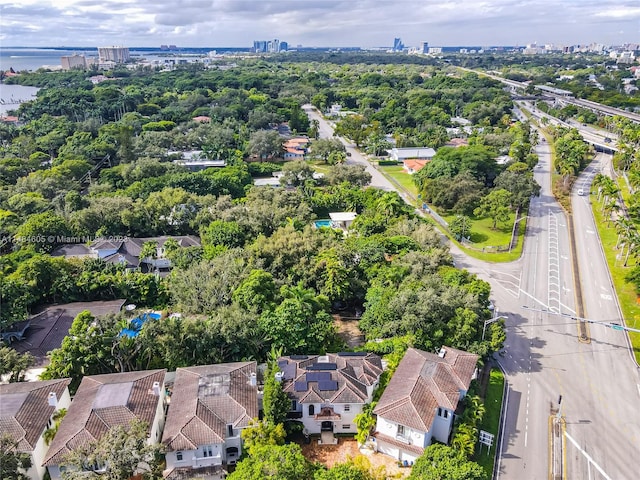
column 352, row 374
column 102, row 402
column 414, row 165
column 423, row 382
column 25, row 411
column 205, row 400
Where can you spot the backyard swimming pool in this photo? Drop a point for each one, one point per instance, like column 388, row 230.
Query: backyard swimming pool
column 322, row 223
column 136, row 324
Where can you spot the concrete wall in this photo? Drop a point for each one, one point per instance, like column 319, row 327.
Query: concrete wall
column 442, row 424
column 411, row 436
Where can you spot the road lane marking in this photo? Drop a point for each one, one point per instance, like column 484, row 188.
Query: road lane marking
column 587, row 456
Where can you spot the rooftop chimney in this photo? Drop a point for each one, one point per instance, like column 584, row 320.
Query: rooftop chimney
column 442, row 352
column 156, row 389
column 253, row 379
column 53, row 399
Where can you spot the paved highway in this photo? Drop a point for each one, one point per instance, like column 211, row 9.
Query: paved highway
column 604, row 420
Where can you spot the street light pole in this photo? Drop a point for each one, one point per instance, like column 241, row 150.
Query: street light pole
column 513, row 232
column 495, row 318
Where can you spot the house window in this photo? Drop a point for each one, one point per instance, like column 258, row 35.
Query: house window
column 312, row 410
column 401, row 430
column 207, row 451
column 443, row 413
column 347, row 408
column 346, row 427
column 230, row 430
column 179, row 456
column 293, row 405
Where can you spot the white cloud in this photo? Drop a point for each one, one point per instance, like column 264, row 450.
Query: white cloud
column 316, row 22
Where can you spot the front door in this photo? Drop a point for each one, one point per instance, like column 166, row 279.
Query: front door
column 326, row 427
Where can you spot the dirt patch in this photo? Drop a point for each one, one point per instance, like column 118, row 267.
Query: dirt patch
column 346, row 449
column 347, row 328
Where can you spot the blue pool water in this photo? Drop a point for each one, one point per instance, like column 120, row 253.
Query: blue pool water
column 322, row 223
column 136, row 324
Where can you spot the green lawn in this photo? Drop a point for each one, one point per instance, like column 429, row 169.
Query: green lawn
column 626, row 293
column 491, row 420
column 405, row 180
column 485, row 239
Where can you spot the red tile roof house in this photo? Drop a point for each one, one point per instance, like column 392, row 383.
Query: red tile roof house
column 26, row 411
column 210, row 405
column 295, row 148
column 328, row 391
column 419, row 403
column 104, row 401
column 412, row 166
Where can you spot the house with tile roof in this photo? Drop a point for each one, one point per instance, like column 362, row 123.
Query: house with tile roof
column 295, row 148
column 209, row 407
column 328, row 391
column 104, row 401
column 127, row 251
column 419, row 403
column 26, row 412
column 412, row 166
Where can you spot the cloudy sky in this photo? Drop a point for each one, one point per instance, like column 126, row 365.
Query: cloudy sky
column 367, row 23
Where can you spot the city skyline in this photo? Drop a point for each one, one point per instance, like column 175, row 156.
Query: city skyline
column 328, row 23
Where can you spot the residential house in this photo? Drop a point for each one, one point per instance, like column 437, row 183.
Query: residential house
column 420, row 401
column 103, row 402
column 457, row 142
column 209, row 407
column 342, row 220
column 328, row 391
column 26, row 412
column 419, row 153
column 295, row 148
column 127, row 251
column 412, row 166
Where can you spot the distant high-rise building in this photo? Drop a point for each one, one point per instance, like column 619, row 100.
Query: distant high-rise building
column 73, row 62
column 270, row 46
column 398, row 46
column 424, row 48
column 113, row 54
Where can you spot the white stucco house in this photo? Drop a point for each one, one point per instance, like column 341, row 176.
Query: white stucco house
column 26, row 412
column 209, row 407
column 342, row 220
column 103, row 402
column 420, row 401
column 328, row 391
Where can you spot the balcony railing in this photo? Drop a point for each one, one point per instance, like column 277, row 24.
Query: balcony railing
column 403, row 439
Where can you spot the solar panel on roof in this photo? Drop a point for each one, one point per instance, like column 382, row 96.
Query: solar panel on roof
column 317, row 376
column 352, row 354
column 300, row 386
column 328, row 385
column 298, row 357
column 322, row 366
column 282, row 363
